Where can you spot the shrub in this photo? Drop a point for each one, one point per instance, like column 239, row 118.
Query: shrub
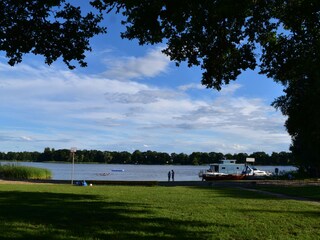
column 23, row 172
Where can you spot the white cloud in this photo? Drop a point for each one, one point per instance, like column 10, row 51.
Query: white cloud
column 126, row 68
column 26, row 138
column 60, row 109
column 226, row 90
column 230, row 89
column 191, row 86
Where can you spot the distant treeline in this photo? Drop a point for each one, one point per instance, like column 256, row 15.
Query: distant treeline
column 147, row 157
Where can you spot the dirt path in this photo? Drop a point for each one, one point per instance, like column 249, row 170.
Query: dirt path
column 17, row 182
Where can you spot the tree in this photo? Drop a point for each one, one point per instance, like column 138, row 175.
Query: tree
column 108, row 156
column 300, row 104
column 47, row 155
column 61, row 155
column 52, row 29
column 137, row 157
column 261, row 158
column 180, row 158
column 221, row 36
column 215, row 157
column 121, row 157
column 281, row 158
column 195, row 158
column 240, row 157
column 293, row 60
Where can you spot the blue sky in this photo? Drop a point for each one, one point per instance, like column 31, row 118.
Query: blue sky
column 132, row 97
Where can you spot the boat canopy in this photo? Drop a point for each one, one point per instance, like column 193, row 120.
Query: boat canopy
column 227, row 166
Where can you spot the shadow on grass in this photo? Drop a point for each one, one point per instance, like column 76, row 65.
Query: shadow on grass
column 42, row 215
column 232, row 192
column 279, row 193
column 308, row 192
column 305, row 213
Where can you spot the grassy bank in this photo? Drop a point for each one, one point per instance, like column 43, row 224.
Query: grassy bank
column 124, row 212
column 10, row 171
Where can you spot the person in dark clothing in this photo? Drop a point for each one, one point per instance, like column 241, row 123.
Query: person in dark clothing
column 169, row 175
column 172, row 175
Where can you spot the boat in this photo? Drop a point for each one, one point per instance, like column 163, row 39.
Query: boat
column 103, row 174
column 221, row 176
column 254, row 173
column 117, row 170
column 224, row 170
column 230, row 170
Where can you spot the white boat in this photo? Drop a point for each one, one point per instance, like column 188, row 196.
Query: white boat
column 230, row 170
column 224, row 170
column 254, row 173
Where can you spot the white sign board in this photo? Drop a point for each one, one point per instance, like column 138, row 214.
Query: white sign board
column 250, row 160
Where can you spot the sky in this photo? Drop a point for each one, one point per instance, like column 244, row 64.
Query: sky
column 132, row 97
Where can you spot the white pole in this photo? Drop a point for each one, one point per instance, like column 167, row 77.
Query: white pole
column 72, row 168
column 73, row 150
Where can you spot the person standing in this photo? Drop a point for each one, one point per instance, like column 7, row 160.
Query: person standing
column 169, row 175
column 172, row 175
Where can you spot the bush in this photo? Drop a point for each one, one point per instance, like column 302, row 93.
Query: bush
column 23, row 172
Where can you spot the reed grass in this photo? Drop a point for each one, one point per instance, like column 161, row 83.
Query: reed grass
column 10, row 171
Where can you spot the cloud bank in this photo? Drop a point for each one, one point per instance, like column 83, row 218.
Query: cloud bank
column 42, row 106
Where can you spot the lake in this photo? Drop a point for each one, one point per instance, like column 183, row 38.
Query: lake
column 127, row 172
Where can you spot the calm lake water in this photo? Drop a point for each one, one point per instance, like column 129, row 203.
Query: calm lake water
column 63, row 171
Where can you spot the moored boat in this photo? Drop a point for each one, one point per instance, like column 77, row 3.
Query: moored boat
column 254, row 173
column 224, row 170
column 117, row 170
column 212, row 177
column 230, row 170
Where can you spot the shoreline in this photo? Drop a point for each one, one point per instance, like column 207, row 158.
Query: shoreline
column 225, row 183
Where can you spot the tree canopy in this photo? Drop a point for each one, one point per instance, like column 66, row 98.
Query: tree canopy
column 53, row 28
column 146, row 157
column 223, row 37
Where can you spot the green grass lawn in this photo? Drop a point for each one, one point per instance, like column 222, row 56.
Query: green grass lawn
column 311, row 192
column 130, row 212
